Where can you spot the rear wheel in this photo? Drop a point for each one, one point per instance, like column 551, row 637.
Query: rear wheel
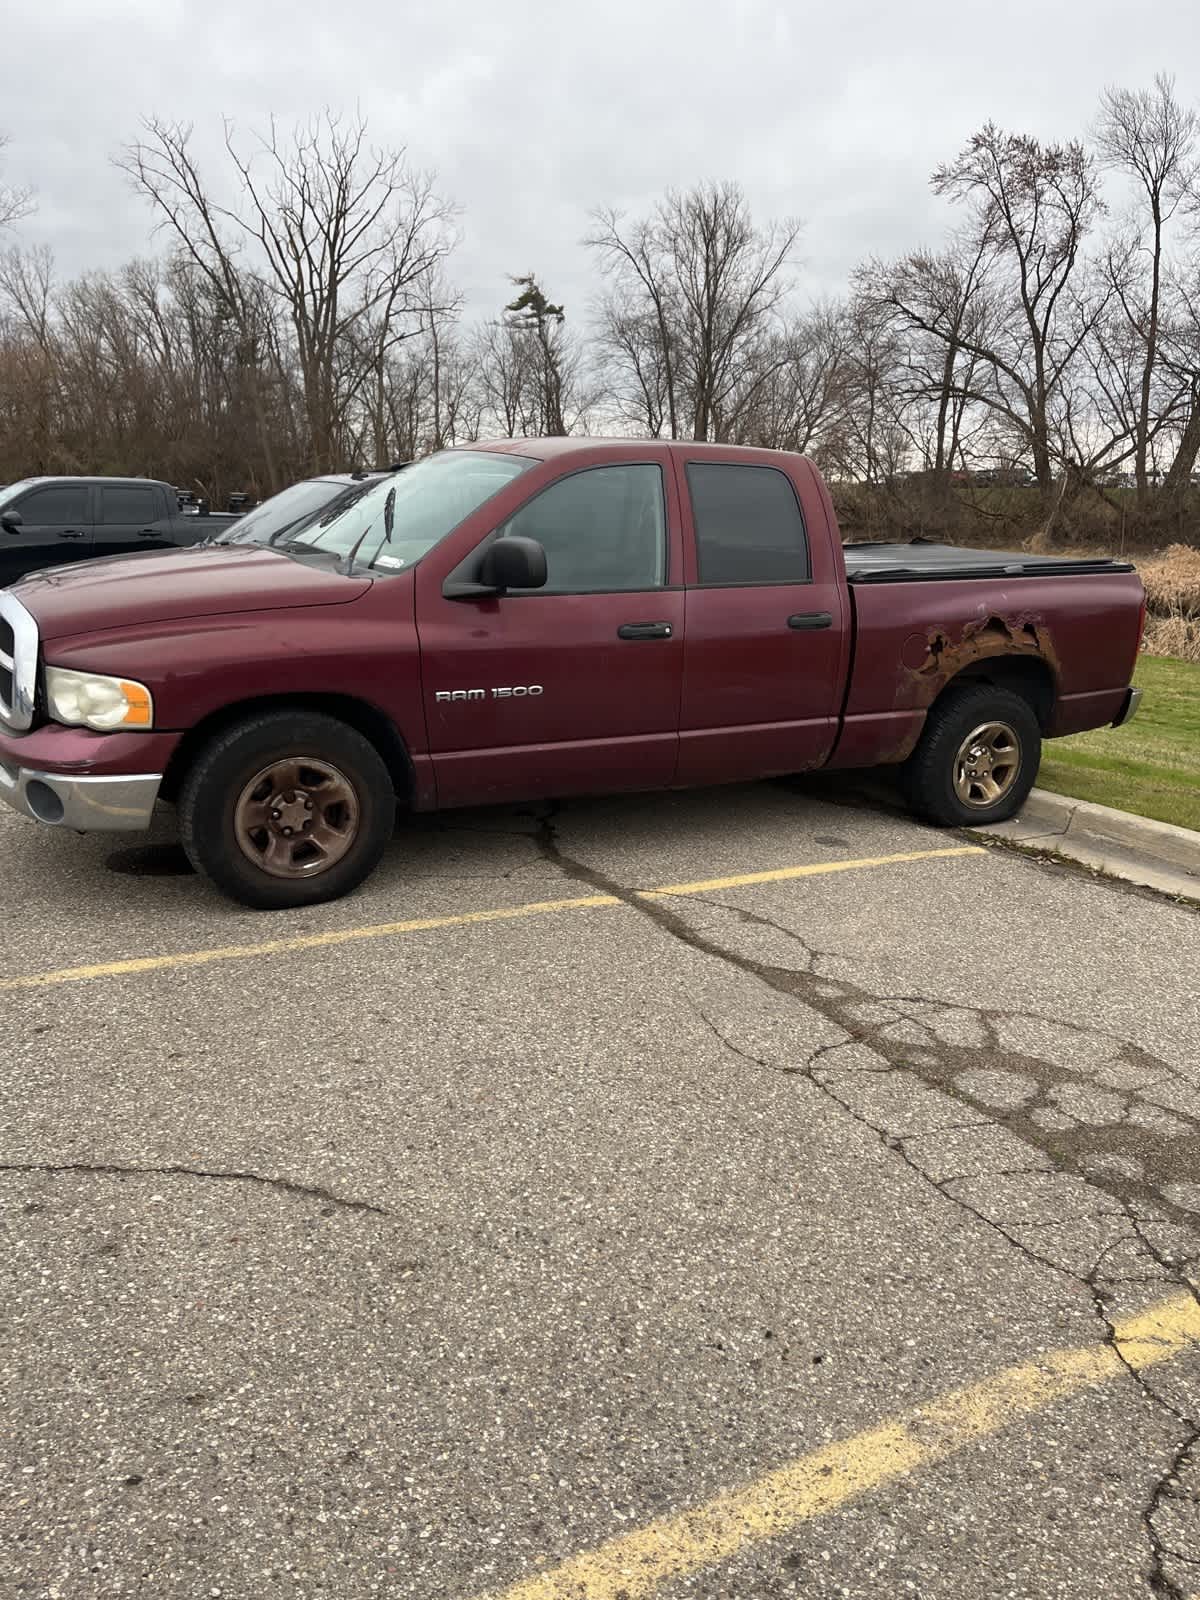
column 287, row 809
column 977, row 757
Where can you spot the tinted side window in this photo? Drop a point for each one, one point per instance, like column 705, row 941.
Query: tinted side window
column 748, row 525
column 603, row 530
column 130, row 505
column 46, row 507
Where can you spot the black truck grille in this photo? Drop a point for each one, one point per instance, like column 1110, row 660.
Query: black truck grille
column 18, row 664
column 7, row 642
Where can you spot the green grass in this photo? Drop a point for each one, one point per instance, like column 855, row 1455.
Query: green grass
column 1151, row 766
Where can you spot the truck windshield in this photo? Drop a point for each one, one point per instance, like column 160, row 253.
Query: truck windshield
column 282, row 511
column 429, row 500
column 13, row 490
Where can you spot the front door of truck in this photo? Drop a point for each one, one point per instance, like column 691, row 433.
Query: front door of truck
column 573, row 687
column 55, row 526
column 764, row 663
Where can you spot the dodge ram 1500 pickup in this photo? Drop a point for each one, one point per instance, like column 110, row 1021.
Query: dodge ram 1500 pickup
column 539, row 618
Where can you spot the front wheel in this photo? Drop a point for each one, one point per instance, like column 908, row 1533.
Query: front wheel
column 977, row 758
column 287, row 809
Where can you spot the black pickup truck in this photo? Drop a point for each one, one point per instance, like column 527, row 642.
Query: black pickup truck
column 46, row 521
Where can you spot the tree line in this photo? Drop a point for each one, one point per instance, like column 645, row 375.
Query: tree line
column 1049, row 341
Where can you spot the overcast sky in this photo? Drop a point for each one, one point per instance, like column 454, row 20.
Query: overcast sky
column 533, row 113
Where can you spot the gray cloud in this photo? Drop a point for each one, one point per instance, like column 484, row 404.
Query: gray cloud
column 534, row 113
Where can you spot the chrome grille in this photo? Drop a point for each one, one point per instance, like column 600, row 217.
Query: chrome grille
column 18, row 664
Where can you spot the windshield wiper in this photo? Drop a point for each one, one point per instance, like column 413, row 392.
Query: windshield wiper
column 347, row 565
column 389, row 513
column 301, row 547
column 273, row 542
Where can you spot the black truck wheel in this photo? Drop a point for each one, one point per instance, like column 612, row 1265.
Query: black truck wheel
column 976, row 759
column 287, row 809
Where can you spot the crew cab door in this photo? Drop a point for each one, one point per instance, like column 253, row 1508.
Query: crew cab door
column 766, row 635
column 133, row 516
column 55, row 526
column 573, row 687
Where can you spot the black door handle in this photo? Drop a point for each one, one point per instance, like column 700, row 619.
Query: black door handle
column 805, row 621
column 645, row 630
column 148, row 533
column 73, row 533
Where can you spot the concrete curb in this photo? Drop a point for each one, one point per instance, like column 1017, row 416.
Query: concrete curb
column 1137, row 849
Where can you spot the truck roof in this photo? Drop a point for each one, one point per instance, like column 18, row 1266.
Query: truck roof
column 561, row 445
column 97, row 478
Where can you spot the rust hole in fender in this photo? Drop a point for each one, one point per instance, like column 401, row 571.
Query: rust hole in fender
column 931, row 660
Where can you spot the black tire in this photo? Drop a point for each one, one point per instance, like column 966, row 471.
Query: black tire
column 930, row 772
column 218, row 778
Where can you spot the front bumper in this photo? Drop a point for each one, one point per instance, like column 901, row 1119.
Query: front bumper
column 101, row 805
column 1129, row 707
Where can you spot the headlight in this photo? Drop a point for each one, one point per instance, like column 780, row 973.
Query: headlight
column 90, row 700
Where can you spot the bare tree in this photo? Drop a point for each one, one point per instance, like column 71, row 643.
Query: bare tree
column 34, row 392
column 533, row 313
column 342, row 237
column 873, row 442
column 640, row 320
column 637, row 365
column 1148, row 136
column 506, row 376
column 348, row 234
column 15, row 203
column 702, row 281
column 207, row 236
column 406, row 355
column 937, row 304
column 1181, row 357
column 1035, row 204
column 798, row 399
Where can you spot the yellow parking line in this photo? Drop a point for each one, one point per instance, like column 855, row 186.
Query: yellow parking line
column 632, row 1565
column 391, row 930
column 783, row 874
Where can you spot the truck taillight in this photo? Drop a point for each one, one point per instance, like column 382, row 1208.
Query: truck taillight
column 1142, row 621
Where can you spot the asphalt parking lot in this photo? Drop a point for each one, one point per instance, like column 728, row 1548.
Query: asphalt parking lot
column 744, row 1193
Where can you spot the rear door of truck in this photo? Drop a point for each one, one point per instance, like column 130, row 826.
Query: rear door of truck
column 766, row 634
column 133, row 516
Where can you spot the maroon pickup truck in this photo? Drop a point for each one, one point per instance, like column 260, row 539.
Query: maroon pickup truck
column 538, row 618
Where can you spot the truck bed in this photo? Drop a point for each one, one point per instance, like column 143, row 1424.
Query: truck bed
column 922, row 561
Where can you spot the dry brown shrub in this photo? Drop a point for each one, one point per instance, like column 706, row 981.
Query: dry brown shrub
column 1172, row 582
column 1176, row 636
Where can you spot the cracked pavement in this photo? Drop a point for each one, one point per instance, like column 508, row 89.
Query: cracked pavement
column 406, row 1267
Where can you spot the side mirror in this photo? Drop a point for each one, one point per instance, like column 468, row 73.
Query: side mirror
column 11, row 521
column 513, row 562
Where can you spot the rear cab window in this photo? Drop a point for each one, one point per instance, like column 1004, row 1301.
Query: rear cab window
column 749, row 526
column 129, row 503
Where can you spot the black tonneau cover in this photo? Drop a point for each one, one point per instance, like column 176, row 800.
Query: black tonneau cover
column 922, row 561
